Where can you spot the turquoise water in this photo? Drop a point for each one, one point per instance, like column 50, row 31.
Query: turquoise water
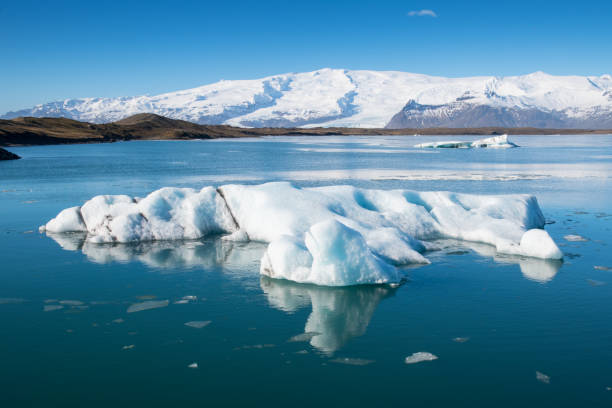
column 492, row 321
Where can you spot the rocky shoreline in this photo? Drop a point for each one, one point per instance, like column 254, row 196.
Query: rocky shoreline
column 6, row 155
column 30, row 131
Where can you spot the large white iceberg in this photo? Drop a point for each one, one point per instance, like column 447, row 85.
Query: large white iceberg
column 495, row 142
column 334, row 236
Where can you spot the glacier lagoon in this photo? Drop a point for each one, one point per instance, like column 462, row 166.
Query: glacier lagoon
column 125, row 323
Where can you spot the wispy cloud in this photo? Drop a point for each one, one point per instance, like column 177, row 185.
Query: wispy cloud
column 422, row 13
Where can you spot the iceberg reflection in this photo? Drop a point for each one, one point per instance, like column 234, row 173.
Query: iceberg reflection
column 535, row 269
column 201, row 254
column 338, row 313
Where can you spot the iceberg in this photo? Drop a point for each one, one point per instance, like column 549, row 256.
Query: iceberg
column 332, row 236
column 495, row 142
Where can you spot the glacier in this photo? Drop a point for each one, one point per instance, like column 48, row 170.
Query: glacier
column 331, row 236
column 495, row 142
column 361, row 98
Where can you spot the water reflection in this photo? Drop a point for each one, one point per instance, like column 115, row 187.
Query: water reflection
column 539, row 270
column 202, row 254
column 338, row 314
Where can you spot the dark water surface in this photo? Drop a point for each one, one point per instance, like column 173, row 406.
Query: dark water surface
column 72, row 334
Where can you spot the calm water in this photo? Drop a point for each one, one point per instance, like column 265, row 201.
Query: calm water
column 69, row 335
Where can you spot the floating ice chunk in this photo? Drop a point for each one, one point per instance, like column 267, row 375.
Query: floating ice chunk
column 50, row 308
column 340, row 257
column 149, row 304
column 71, row 302
column 198, row 324
column 461, row 339
column 575, row 238
column 68, row 220
column 303, row 337
column 534, row 243
column 352, row 361
column 496, row 142
column 335, row 235
column 128, row 347
column 119, row 320
column 542, row 377
column 419, row 357
column 165, row 214
column 602, row 268
column 193, row 365
column 287, row 258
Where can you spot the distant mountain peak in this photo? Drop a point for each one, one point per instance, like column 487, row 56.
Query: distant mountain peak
column 341, row 97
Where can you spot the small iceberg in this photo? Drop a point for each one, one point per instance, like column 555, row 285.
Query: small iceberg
column 198, row 324
column 543, row 378
column 419, row 357
column 149, row 304
column 329, row 236
column 495, row 142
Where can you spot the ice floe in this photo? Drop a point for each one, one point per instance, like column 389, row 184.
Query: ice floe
column 496, row 142
column 575, row 238
column 149, row 304
column 333, row 236
column 198, row 324
column 352, row 361
column 419, row 357
column 542, row 377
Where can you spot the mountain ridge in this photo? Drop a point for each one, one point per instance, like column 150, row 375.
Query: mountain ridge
column 364, row 99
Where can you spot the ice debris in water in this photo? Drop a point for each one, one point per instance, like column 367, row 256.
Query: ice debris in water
column 594, row 282
column 575, row 238
column 303, row 337
column 50, row 308
column 542, row 377
column 352, row 361
column 419, row 357
column 71, row 302
column 198, row 324
column 496, row 142
column 461, row 339
column 334, row 235
column 149, row 304
column 193, row 365
column 602, row 268
column 129, row 347
column 7, row 301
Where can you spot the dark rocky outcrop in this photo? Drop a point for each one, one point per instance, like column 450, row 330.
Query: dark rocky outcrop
column 6, row 155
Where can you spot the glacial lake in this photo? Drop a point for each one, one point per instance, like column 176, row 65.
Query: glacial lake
column 87, row 325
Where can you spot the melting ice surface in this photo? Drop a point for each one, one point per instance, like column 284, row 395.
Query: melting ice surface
column 333, row 236
column 496, row 142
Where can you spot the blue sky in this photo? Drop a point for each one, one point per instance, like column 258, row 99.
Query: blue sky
column 51, row 50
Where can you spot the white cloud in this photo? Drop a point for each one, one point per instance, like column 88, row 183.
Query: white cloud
column 422, row 13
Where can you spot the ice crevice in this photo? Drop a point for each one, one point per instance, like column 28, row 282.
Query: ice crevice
column 333, row 236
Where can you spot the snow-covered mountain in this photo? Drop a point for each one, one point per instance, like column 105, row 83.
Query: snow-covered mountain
column 337, row 97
